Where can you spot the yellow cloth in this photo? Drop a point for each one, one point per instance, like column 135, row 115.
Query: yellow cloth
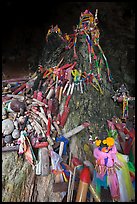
column 126, row 176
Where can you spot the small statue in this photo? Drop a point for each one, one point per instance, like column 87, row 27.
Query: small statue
column 122, row 95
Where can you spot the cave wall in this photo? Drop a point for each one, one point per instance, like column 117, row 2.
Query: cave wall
column 23, row 34
column 19, row 182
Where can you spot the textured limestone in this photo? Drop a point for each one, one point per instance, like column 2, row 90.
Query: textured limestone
column 19, row 182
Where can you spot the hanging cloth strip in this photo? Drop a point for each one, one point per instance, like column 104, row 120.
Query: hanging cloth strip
column 89, row 48
column 96, row 63
column 108, row 70
column 125, row 107
column 98, row 87
column 108, row 159
column 92, row 53
column 126, row 177
column 29, row 154
column 75, row 41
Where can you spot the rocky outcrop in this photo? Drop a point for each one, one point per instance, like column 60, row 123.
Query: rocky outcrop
column 19, row 182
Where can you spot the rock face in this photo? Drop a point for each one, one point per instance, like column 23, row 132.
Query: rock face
column 19, row 182
column 17, row 178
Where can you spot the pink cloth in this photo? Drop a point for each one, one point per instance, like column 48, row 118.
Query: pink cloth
column 112, row 178
column 111, row 125
column 101, row 156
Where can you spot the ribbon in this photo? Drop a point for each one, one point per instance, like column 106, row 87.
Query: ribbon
column 75, row 41
column 99, row 88
column 107, row 159
column 76, row 74
column 125, row 107
column 101, row 156
column 89, row 48
column 126, row 176
column 108, row 70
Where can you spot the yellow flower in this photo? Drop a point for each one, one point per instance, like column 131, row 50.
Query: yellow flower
column 67, row 37
column 97, row 142
column 110, row 141
column 104, row 141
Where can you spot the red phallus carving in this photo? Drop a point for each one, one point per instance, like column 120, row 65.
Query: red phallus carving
column 50, row 104
column 65, row 66
column 83, row 185
column 35, row 94
column 85, row 175
column 58, row 119
column 126, row 131
column 74, row 64
column 76, row 161
column 120, row 126
column 131, row 133
column 20, row 88
column 129, row 142
column 64, row 116
column 67, row 101
column 57, row 92
column 47, row 72
column 69, row 46
column 51, row 82
column 50, row 93
column 45, row 102
column 40, row 67
column 34, row 108
column 49, row 123
column 39, row 96
column 65, row 113
column 55, row 107
column 60, row 94
column 60, row 71
column 40, row 144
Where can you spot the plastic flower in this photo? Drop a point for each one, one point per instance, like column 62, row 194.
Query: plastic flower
column 110, row 141
column 97, row 142
column 104, row 149
column 104, row 141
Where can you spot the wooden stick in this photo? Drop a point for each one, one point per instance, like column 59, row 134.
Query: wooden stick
column 38, row 164
column 70, row 156
column 20, row 88
column 39, row 102
column 69, row 187
column 21, row 97
column 72, row 184
column 15, row 80
column 94, row 194
column 60, row 93
column 61, row 148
